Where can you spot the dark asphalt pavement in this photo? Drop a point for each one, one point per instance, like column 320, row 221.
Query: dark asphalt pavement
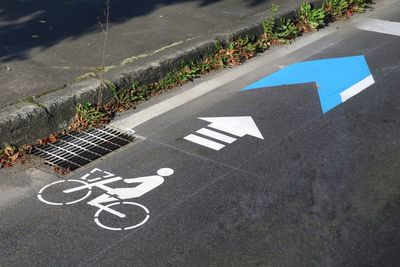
column 318, row 190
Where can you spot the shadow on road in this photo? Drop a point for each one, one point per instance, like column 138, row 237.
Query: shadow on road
column 27, row 24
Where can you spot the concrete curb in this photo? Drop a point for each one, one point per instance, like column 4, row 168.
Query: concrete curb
column 25, row 122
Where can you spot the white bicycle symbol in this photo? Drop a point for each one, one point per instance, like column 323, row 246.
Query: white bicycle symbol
column 68, row 192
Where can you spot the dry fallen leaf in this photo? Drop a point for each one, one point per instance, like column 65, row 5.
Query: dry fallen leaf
column 14, row 157
column 9, row 150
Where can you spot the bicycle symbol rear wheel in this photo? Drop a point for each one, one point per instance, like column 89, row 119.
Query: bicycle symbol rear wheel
column 52, row 194
column 127, row 227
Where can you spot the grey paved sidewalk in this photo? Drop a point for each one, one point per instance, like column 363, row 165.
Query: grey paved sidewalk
column 47, row 44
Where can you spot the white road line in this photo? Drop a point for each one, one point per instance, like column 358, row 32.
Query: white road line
column 382, row 26
column 204, row 142
column 215, row 135
column 357, row 88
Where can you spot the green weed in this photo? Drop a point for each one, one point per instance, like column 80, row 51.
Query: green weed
column 336, row 8
column 308, row 18
column 126, row 98
column 280, row 30
column 89, row 114
column 339, row 8
column 359, row 5
column 286, row 30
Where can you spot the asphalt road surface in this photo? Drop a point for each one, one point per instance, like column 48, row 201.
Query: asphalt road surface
column 286, row 185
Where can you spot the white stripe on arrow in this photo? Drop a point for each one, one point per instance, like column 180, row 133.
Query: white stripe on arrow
column 204, row 142
column 357, row 88
column 215, row 135
column 382, row 26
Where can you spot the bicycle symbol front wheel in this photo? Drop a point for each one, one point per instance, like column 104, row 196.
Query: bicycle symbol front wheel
column 52, row 194
column 123, row 223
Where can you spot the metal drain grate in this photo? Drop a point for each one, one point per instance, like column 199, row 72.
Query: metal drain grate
column 75, row 150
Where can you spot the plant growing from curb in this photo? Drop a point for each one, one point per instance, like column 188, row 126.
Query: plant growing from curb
column 89, row 115
column 310, row 19
column 336, row 8
column 281, row 30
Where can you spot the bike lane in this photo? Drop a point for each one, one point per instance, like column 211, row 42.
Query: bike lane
column 317, row 189
column 325, row 195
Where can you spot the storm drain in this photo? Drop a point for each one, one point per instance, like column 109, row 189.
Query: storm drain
column 77, row 149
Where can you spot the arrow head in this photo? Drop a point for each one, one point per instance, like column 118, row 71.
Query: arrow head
column 239, row 126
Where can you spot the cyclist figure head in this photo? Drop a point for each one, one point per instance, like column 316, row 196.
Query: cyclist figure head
column 165, row 172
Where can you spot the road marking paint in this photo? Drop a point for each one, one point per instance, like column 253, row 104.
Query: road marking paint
column 215, row 135
column 238, row 126
column 382, row 26
column 332, row 76
column 62, row 203
column 357, row 88
column 203, row 142
column 110, row 198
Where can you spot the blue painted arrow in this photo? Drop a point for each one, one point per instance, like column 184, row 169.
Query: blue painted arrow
column 337, row 78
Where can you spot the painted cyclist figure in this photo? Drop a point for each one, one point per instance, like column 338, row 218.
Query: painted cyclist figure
column 145, row 185
column 111, row 198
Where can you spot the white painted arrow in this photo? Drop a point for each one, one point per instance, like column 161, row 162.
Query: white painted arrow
column 382, row 26
column 239, row 126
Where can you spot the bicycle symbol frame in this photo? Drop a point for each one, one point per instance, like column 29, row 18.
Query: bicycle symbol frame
column 113, row 200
